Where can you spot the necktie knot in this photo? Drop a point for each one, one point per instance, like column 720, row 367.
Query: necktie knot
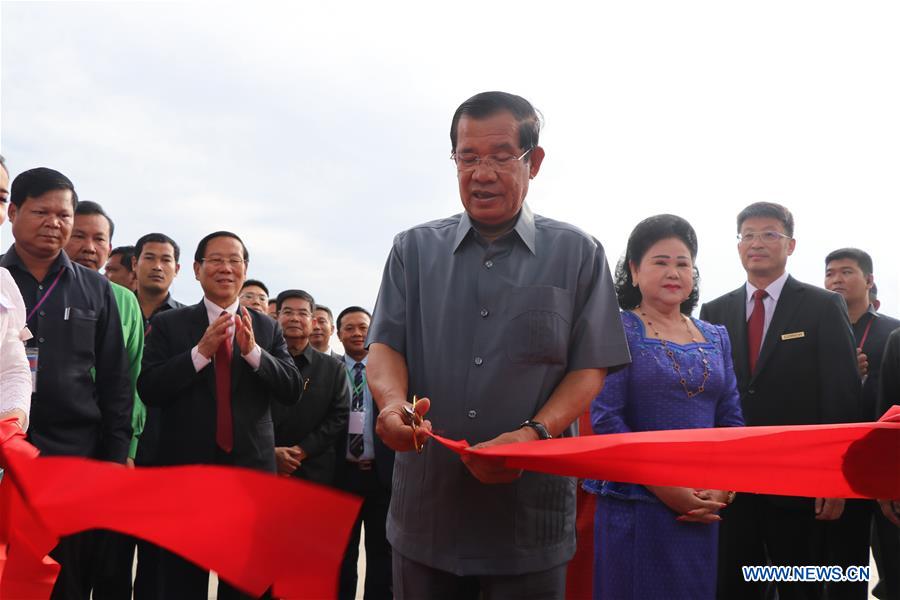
column 358, row 367
column 759, row 295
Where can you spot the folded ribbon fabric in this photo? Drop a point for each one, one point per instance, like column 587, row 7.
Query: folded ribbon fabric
column 854, row 460
column 254, row 529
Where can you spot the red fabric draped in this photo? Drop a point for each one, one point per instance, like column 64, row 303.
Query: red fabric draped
column 252, row 528
column 853, row 460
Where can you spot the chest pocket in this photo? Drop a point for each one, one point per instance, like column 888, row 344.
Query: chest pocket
column 539, row 325
column 82, row 328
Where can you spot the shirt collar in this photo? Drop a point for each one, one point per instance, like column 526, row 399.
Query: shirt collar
column 213, row 310
column 348, row 360
column 773, row 289
column 309, row 352
column 12, row 258
column 524, row 227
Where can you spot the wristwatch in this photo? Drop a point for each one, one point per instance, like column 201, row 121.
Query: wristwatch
column 542, row 432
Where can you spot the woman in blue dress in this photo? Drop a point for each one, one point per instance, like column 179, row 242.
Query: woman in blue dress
column 651, row 541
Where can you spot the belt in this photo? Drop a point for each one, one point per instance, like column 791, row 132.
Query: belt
column 362, row 465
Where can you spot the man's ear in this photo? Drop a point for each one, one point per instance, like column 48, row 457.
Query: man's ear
column 535, row 159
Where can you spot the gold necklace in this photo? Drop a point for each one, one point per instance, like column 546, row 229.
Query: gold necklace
column 671, row 355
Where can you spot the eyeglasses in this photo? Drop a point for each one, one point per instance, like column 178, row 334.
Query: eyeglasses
column 289, row 312
column 766, row 237
column 251, row 296
column 468, row 162
column 217, row 261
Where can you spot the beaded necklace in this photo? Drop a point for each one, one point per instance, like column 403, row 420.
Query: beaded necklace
column 671, row 355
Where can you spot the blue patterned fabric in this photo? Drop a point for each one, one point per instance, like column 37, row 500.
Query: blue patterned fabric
column 641, row 551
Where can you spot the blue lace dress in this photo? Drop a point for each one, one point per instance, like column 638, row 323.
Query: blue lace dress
column 641, row 551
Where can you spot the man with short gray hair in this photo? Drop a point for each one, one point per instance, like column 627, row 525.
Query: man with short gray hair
column 507, row 321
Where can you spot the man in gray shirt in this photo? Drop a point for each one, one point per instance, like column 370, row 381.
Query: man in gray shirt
column 507, row 322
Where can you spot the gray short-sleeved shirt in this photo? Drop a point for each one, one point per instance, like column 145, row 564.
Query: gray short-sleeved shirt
column 488, row 331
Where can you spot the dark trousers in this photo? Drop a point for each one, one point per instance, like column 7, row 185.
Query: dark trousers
column 376, row 499
column 183, row 580
column 413, row 581
column 146, row 578
column 886, row 550
column 756, row 531
column 76, row 555
column 847, row 544
column 115, row 559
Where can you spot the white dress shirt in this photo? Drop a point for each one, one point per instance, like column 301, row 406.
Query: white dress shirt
column 769, row 302
column 212, row 312
column 15, row 390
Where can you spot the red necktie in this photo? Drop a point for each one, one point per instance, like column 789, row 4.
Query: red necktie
column 755, row 327
column 224, row 429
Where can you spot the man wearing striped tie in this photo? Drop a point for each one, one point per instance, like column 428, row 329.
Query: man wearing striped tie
column 368, row 467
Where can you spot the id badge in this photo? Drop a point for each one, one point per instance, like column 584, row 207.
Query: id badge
column 357, row 421
column 32, row 355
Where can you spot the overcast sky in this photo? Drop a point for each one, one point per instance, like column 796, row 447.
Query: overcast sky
column 317, row 132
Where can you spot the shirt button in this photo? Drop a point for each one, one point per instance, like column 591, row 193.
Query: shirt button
column 42, row 313
column 41, row 340
column 478, row 361
column 40, row 287
column 485, row 312
column 488, row 263
column 472, row 414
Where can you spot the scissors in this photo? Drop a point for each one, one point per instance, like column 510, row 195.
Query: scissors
column 414, row 420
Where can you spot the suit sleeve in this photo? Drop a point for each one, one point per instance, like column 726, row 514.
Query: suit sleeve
column 889, row 390
column 165, row 371
column 841, row 391
column 114, row 392
column 278, row 371
column 325, row 436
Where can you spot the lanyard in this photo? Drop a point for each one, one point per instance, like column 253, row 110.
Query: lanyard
column 46, row 294
column 866, row 333
column 356, row 389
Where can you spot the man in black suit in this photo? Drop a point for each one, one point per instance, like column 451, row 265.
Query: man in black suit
column 795, row 361
column 849, row 272
column 365, row 466
column 305, row 434
column 215, row 370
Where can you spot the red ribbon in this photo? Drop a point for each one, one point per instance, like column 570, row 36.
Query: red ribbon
column 854, row 460
column 255, row 530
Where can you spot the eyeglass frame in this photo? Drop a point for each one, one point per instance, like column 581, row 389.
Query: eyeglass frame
column 253, row 296
column 746, row 238
column 218, row 261
column 488, row 162
column 302, row 313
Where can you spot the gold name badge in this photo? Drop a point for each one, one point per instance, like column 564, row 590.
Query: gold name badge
column 793, row 336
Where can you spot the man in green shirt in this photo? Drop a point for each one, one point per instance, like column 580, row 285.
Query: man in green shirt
column 89, row 246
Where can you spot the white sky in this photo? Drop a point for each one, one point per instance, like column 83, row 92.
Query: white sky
column 318, row 132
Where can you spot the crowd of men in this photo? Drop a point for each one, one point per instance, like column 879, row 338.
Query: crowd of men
column 506, row 320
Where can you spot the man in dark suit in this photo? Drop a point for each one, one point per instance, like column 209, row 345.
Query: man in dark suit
column 849, row 272
column 305, row 434
column 215, row 370
column 795, row 361
column 365, row 466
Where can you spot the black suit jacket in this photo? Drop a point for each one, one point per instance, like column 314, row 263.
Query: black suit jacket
column 316, row 423
column 889, row 386
column 187, row 398
column 799, row 379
